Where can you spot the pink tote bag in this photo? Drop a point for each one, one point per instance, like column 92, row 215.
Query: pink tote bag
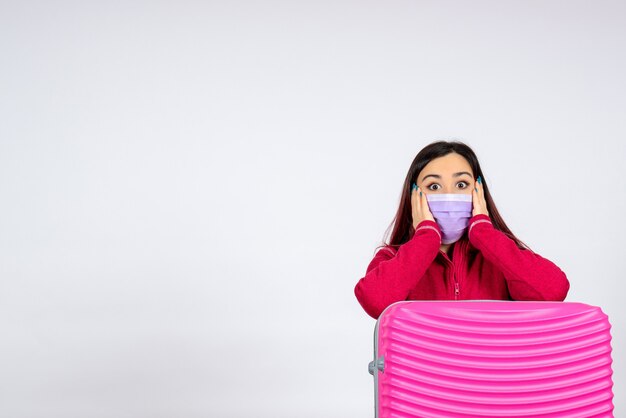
column 488, row 358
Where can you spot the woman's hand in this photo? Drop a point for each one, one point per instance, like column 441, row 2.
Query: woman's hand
column 419, row 207
column 478, row 199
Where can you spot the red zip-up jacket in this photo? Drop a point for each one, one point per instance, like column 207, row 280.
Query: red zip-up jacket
column 486, row 264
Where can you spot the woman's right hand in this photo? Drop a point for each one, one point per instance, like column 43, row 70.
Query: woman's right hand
column 419, row 207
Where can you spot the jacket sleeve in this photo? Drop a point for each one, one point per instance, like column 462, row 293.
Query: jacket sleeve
column 528, row 275
column 391, row 275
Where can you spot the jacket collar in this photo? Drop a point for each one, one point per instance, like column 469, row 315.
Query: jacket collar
column 464, row 242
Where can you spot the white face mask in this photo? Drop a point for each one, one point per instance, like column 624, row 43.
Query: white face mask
column 452, row 212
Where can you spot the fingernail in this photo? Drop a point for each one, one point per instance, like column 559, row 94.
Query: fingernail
column 413, row 187
column 420, row 193
column 479, row 180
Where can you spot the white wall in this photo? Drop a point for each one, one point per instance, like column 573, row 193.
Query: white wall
column 190, row 190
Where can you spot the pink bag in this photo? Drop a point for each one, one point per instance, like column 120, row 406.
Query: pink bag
column 489, row 358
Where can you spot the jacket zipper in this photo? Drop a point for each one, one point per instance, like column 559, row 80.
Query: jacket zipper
column 457, row 253
column 457, row 291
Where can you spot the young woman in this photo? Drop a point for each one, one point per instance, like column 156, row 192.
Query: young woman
column 450, row 243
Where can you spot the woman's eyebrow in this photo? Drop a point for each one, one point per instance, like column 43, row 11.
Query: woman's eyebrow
column 460, row 173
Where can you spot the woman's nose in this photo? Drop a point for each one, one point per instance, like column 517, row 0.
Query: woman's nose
column 453, row 190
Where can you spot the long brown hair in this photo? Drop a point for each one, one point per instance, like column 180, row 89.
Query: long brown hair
column 403, row 223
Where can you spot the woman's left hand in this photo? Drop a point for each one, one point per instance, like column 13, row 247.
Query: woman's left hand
column 478, row 200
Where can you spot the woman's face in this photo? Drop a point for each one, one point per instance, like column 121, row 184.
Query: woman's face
column 448, row 174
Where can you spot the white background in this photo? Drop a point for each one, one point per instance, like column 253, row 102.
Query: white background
column 190, row 190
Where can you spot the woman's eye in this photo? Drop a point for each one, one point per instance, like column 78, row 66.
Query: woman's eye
column 432, row 186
